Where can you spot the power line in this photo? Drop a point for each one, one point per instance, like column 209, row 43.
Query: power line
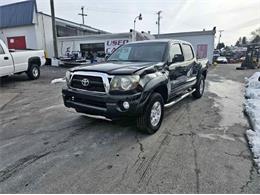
column 116, row 11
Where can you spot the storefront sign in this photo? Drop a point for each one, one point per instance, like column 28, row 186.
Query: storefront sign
column 112, row 44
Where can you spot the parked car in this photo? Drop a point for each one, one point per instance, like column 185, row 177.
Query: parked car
column 216, row 54
column 222, row 60
column 14, row 62
column 138, row 80
column 242, row 58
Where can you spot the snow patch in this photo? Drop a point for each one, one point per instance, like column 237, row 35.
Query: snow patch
column 215, row 136
column 252, row 108
column 228, row 97
column 51, row 107
column 59, row 80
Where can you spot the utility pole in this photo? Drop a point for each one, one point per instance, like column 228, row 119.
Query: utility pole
column 83, row 15
column 54, row 33
column 158, row 21
column 220, row 31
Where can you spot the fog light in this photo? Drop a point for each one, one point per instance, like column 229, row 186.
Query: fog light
column 126, row 105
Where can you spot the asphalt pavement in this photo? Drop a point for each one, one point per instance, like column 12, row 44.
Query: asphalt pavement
column 200, row 148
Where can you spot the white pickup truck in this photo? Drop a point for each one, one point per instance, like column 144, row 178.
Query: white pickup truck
column 14, row 62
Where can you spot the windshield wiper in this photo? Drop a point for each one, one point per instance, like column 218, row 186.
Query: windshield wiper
column 113, row 60
column 131, row 60
column 124, row 60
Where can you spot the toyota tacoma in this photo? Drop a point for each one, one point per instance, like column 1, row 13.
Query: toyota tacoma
column 138, row 80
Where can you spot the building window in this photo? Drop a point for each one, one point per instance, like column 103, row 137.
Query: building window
column 65, row 31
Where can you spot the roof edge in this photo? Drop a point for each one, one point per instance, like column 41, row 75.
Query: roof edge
column 82, row 25
column 94, row 35
column 203, row 32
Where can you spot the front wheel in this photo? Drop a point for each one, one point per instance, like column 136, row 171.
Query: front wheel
column 33, row 72
column 199, row 87
column 151, row 119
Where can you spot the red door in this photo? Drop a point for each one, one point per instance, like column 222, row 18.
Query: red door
column 16, row 42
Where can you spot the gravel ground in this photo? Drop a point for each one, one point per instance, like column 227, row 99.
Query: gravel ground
column 200, row 147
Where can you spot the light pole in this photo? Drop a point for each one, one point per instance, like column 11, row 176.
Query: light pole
column 158, row 21
column 139, row 17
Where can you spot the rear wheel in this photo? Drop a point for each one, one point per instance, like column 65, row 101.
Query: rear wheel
column 199, row 87
column 33, row 72
column 151, row 119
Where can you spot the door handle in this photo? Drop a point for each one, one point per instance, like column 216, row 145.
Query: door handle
column 6, row 58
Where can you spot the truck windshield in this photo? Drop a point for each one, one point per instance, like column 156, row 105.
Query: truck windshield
column 140, row 52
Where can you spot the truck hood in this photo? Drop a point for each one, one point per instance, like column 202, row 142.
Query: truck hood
column 117, row 68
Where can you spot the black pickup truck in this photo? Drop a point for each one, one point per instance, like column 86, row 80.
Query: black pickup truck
column 138, row 80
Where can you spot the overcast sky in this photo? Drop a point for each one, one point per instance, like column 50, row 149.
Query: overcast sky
column 235, row 17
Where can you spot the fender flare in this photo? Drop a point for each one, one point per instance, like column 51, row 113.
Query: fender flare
column 34, row 61
column 154, row 84
column 202, row 70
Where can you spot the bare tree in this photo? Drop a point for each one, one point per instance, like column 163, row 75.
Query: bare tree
column 255, row 36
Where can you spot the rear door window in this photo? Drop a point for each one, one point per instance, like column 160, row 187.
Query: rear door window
column 187, row 51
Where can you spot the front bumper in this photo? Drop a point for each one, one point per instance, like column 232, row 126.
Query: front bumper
column 102, row 104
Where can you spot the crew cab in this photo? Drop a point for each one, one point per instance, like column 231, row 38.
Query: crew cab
column 15, row 62
column 138, row 80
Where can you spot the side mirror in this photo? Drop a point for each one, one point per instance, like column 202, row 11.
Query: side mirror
column 178, row 58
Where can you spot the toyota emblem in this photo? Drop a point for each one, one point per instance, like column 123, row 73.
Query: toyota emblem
column 85, row 82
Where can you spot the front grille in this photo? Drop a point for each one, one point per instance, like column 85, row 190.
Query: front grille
column 95, row 83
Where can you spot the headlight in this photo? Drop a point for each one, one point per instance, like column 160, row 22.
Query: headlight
column 68, row 75
column 124, row 83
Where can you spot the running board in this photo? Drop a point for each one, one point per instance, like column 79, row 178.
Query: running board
column 179, row 99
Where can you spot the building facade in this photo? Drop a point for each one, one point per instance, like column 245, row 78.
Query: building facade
column 202, row 41
column 23, row 27
column 100, row 44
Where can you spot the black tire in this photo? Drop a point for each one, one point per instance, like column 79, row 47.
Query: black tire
column 33, row 72
column 144, row 121
column 199, row 87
